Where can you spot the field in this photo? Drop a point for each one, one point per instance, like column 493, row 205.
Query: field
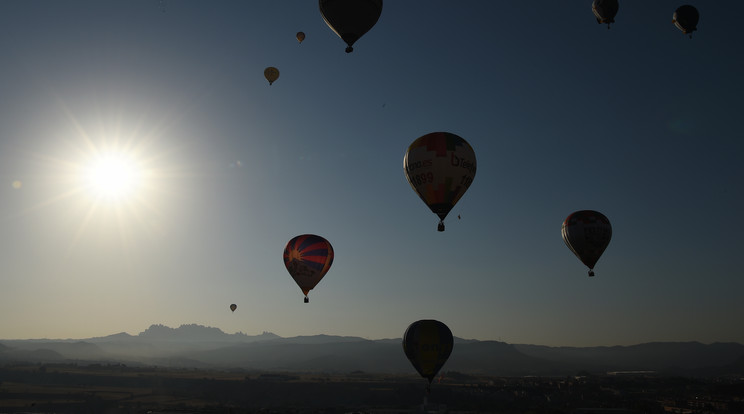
column 118, row 388
column 71, row 388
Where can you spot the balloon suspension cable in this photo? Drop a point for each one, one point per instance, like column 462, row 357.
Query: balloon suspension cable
column 440, row 226
column 349, row 49
column 307, row 299
column 591, row 272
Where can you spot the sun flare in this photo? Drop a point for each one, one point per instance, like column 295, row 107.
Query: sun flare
column 113, row 176
column 113, row 181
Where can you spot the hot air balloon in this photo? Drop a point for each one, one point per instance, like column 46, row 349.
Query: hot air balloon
column 686, row 19
column 605, row 11
column 350, row 19
column 308, row 258
column 587, row 233
column 233, row 307
column 300, row 36
column 440, row 167
column 427, row 344
column 271, row 74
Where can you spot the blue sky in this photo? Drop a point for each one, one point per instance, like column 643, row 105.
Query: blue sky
column 638, row 122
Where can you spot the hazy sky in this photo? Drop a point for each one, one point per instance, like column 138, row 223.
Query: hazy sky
column 638, row 122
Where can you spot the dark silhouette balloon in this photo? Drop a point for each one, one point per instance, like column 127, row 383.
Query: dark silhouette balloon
column 427, row 344
column 440, row 167
column 271, row 74
column 308, row 258
column 350, row 19
column 686, row 19
column 300, row 36
column 233, row 307
column 605, row 11
column 587, row 233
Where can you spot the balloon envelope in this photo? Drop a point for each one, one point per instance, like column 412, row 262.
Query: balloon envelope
column 350, row 19
column 308, row 258
column 271, row 74
column 427, row 344
column 605, row 11
column 300, row 36
column 587, row 233
column 233, row 307
column 440, row 167
column 686, row 18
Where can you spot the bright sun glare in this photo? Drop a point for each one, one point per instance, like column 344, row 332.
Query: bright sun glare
column 113, row 176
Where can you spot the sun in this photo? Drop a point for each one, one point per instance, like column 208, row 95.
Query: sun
column 114, row 179
column 112, row 176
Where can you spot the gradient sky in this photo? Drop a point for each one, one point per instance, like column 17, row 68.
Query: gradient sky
column 638, row 122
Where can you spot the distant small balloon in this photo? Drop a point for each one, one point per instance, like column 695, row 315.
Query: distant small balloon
column 300, row 36
column 271, row 74
column 17, row 184
column 233, row 307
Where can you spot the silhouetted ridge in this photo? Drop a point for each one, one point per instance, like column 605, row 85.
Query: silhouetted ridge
column 320, row 339
column 114, row 337
column 197, row 346
column 194, row 332
column 655, row 356
column 187, row 332
column 495, row 358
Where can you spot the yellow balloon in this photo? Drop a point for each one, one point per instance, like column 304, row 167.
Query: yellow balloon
column 271, row 74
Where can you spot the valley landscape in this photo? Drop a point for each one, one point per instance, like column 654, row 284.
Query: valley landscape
column 173, row 173
column 195, row 368
column 202, row 347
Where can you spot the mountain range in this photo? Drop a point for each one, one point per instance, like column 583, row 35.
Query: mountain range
column 196, row 346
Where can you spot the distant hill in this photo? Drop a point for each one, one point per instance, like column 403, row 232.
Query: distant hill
column 671, row 357
column 194, row 332
column 11, row 355
column 497, row 358
column 163, row 342
column 320, row 339
column 121, row 336
column 196, row 346
column 67, row 349
column 296, row 355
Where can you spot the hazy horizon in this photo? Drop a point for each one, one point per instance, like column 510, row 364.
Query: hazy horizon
column 249, row 334
column 639, row 122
